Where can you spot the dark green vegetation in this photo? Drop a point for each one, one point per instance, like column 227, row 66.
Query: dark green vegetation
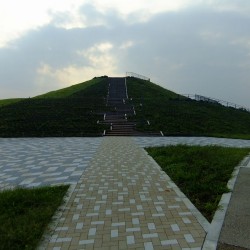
column 177, row 115
column 25, row 214
column 201, row 173
column 72, row 111
column 69, row 91
column 9, row 101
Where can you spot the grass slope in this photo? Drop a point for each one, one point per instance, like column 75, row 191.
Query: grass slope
column 73, row 111
column 5, row 102
column 174, row 114
column 25, row 214
column 201, row 173
column 66, row 92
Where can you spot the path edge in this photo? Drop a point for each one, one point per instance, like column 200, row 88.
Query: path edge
column 197, row 214
column 46, row 237
column 213, row 235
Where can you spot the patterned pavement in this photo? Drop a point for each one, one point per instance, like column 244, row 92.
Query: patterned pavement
column 119, row 196
column 35, row 162
column 124, row 200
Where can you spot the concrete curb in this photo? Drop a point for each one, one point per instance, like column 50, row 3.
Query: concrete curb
column 56, row 217
column 213, row 234
column 200, row 218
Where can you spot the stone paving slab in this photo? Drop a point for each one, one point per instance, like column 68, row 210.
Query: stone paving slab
column 125, row 201
column 31, row 162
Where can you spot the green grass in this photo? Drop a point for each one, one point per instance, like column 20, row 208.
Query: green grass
column 176, row 115
column 201, row 173
column 144, row 89
column 66, row 92
column 73, row 111
column 5, row 102
column 25, row 214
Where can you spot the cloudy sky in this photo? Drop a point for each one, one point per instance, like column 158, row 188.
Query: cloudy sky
column 188, row 46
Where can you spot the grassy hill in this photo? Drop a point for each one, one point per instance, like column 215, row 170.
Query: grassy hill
column 69, row 91
column 174, row 114
column 5, row 102
column 74, row 111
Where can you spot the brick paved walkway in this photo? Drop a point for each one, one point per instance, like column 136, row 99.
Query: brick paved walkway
column 123, row 200
column 119, row 197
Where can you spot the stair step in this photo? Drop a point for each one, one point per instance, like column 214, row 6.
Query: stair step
column 117, row 100
column 117, row 122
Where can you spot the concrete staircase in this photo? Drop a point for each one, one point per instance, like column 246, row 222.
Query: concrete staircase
column 121, row 110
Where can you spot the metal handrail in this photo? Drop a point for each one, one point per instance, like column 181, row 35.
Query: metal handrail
column 132, row 74
column 214, row 100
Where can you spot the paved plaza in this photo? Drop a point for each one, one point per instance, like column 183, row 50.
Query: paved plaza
column 44, row 161
column 119, row 197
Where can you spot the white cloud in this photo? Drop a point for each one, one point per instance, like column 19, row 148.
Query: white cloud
column 151, row 7
column 127, row 44
column 242, row 41
column 211, row 36
column 49, row 78
column 103, row 47
column 99, row 62
column 240, row 6
column 194, row 46
column 141, row 10
column 17, row 17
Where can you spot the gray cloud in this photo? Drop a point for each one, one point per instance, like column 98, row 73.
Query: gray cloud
column 196, row 50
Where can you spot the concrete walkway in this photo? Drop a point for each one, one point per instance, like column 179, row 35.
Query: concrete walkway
column 119, row 197
column 236, row 226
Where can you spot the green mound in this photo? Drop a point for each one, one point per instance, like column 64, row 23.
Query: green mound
column 76, row 110
column 69, row 91
column 72, row 111
column 177, row 115
column 5, row 102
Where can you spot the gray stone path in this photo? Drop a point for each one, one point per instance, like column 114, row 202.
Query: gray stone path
column 45, row 161
column 119, row 196
column 32, row 162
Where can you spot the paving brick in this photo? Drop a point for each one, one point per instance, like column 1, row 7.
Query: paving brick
column 119, row 200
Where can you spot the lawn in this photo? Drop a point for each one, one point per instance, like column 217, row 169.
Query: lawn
column 5, row 102
column 70, row 112
column 69, row 91
column 25, row 214
column 176, row 115
column 201, row 173
column 75, row 111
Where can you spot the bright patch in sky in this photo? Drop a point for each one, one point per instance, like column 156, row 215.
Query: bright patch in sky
column 99, row 60
column 17, row 17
